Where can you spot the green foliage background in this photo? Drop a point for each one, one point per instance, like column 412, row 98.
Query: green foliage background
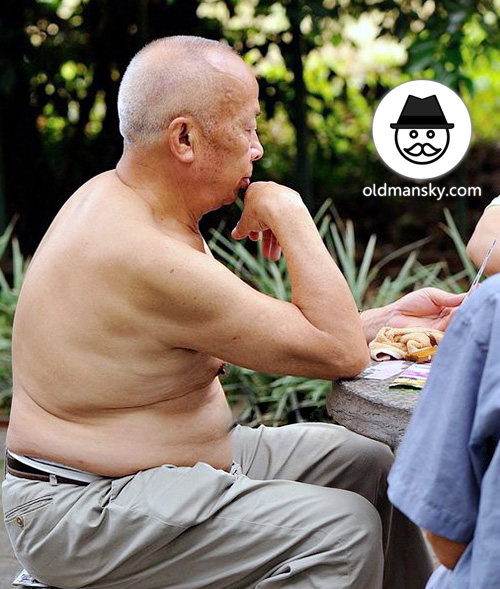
column 323, row 66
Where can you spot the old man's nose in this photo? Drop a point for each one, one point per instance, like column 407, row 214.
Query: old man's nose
column 256, row 149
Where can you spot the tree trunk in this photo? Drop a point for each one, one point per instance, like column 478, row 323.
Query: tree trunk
column 299, row 106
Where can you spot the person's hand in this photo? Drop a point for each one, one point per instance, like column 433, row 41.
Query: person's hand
column 261, row 213
column 427, row 307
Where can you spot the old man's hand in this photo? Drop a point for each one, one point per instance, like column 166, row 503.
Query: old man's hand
column 265, row 203
column 427, row 307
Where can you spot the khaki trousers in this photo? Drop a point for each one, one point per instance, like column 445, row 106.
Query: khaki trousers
column 304, row 506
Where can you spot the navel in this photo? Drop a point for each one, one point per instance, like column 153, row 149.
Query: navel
column 222, row 369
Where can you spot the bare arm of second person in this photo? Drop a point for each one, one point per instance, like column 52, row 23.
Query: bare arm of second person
column 487, row 229
column 447, row 551
column 318, row 334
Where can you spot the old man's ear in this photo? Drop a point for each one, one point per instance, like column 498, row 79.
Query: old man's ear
column 180, row 139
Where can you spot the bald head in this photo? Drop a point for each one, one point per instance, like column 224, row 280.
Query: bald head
column 171, row 77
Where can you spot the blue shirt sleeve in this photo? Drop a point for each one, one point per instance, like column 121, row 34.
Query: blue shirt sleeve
column 439, row 477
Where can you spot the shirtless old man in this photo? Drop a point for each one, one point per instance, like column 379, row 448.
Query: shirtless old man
column 123, row 471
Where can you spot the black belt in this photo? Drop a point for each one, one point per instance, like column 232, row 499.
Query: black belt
column 23, row 471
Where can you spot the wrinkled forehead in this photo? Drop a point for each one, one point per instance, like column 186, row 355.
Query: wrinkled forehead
column 236, row 81
column 231, row 65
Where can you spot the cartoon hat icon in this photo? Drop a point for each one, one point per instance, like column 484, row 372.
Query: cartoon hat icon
column 422, row 113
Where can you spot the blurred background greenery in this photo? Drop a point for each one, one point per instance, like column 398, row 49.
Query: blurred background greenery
column 322, row 65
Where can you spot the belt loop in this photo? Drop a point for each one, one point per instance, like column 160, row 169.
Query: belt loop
column 5, row 454
column 53, row 480
column 236, row 470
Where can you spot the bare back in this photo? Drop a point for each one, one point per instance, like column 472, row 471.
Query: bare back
column 99, row 382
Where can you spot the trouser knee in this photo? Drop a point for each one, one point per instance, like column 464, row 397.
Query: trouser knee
column 356, row 524
column 362, row 545
column 365, row 524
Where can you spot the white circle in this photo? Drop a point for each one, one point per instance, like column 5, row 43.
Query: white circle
column 428, row 149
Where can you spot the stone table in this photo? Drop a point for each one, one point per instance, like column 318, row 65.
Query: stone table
column 371, row 408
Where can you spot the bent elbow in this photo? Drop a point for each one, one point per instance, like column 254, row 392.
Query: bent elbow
column 350, row 366
column 358, row 363
column 328, row 358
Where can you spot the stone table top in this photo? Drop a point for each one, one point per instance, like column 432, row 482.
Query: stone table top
column 371, row 408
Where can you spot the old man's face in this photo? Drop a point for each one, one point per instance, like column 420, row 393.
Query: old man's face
column 233, row 144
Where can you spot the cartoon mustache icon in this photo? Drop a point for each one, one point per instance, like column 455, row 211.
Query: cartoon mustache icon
column 422, row 148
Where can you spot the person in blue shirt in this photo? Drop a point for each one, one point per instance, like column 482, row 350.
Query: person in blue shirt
column 446, row 477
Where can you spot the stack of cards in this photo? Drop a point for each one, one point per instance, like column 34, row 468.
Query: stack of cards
column 413, row 377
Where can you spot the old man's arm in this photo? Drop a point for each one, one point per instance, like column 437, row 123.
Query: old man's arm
column 317, row 334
